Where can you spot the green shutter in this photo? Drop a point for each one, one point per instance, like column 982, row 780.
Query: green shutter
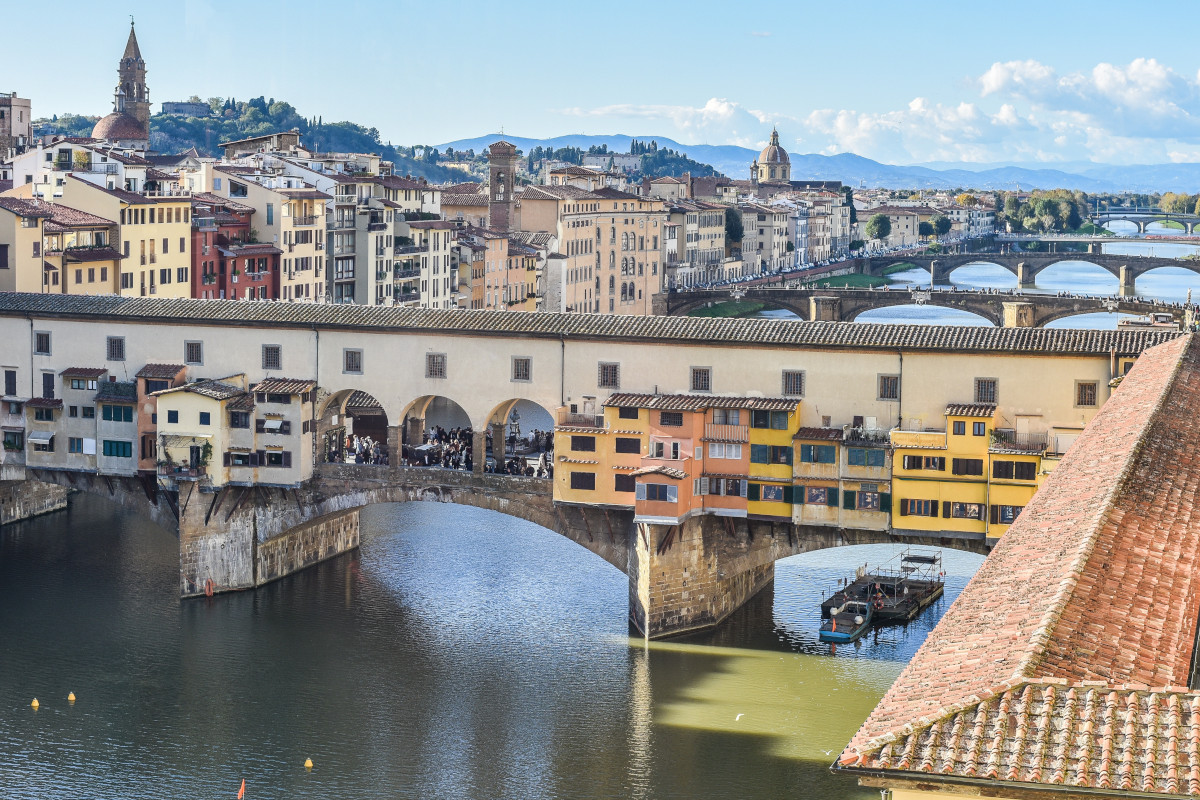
column 752, row 491
column 760, row 453
column 848, row 499
column 945, row 509
column 833, row 498
column 885, row 502
column 806, row 453
column 788, row 494
column 799, row 494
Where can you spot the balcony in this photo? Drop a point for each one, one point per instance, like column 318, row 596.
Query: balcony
column 407, row 249
column 926, row 440
column 344, row 250
column 726, row 433
column 568, row 419
column 343, row 223
column 1006, row 441
column 304, row 221
column 346, row 199
column 180, row 472
column 405, row 274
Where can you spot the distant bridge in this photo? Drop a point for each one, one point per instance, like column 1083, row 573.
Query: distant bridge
column 1027, row 266
column 1007, row 309
column 1142, row 218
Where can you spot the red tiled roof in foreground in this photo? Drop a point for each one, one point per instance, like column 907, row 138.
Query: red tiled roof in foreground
column 1065, row 662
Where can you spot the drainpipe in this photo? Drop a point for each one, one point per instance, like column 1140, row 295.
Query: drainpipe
column 562, row 373
column 316, row 390
column 900, row 392
column 31, row 383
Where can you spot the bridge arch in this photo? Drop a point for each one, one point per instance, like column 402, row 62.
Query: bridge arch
column 971, row 316
column 995, row 266
column 684, row 303
column 1036, row 268
column 346, row 414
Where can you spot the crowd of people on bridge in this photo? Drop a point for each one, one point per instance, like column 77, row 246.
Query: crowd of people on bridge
column 455, row 449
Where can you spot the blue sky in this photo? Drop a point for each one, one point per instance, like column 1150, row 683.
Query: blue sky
column 900, row 82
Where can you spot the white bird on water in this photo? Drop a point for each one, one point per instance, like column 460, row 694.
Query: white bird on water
column 739, row 716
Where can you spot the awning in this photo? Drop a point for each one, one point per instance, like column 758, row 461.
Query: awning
column 40, row 436
column 272, row 424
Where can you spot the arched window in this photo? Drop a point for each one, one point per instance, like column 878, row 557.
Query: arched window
column 597, row 233
column 624, row 293
column 597, row 261
column 612, row 259
column 612, row 284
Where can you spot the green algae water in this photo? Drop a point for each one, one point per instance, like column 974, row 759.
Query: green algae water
column 458, row 654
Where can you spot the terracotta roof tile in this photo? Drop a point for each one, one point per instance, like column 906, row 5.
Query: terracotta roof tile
column 987, row 410
column 162, row 371
column 700, row 402
column 820, row 434
column 284, row 386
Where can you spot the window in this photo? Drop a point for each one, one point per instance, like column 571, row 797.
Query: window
column 724, row 450
column 924, row 462
column 979, row 429
column 116, row 348
column 701, row 379
column 173, row 417
column 819, row 495
column 771, row 494
column 627, row 413
column 88, row 412
column 43, row 414
column 963, row 510
column 118, row 449
column 659, row 492
column 1005, row 515
column 83, row 383
column 608, row 375
column 1014, row 470
column 770, row 454
column 239, row 419
column 41, row 343
column 111, row 413
column 865, row 457
column 352, row 361
column 584, row 443
column 205, row 418
column 775, row 420
column 959, row 428
column 1086, row 393
column 193, row 353
column 985, row 390
column 10, row 382
column 918, row 508
column 818, row 454
column 966, row 466
column 624, row 444
column 727, row 416
column 670, row 419
column 583, row 480
column 278, row 458
column 435, row 365
column 272, row 356
column 522, row 369
column 889, row 387
column 75, row 444
column 153, row 386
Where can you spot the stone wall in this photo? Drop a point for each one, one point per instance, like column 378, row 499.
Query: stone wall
column 307, row 544
column 24, row 499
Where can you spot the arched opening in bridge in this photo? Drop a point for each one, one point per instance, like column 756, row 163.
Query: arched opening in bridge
column 921, row 315
column 352, row 428
column 1077, row 277
column 526, row 430
column 1094, row 321
column 980, row 274
column 437, row 432
column 906, row 274
column 1173, row 284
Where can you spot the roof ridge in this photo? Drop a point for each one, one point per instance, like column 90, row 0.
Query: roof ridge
column 1035, row 649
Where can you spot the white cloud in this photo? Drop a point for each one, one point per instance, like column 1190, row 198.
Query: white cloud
column 718, row 121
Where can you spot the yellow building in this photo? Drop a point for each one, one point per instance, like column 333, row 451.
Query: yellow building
column 843, row 478
column 596, row 451
column 21, row 223
column 79, row 253
column 155, row 235
column 771, row 431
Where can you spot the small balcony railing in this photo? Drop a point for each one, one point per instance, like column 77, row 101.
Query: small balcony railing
column 726, row 433
column 346, row 199
column 179, row 471
column 1008, row 441
column 404, row 274
column 574, row 420
column 304, row 220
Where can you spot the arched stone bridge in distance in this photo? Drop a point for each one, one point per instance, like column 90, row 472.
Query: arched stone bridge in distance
column 1143, row 218
column 845, row 305
column 265, row 533
column 1027, row 266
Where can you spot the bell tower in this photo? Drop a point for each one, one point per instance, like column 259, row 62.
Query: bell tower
column 502, row 172
column 131, row 89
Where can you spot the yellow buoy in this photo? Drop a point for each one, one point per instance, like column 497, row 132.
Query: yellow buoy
column 308, row 763
column 71, row 697
column 35, row 703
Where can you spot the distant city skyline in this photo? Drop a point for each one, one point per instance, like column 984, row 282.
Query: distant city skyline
column 1033, row 83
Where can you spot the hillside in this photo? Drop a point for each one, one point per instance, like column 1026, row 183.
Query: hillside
column 856, row 170
column 259, row 116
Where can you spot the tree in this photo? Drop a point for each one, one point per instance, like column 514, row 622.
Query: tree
column 734, row 231
column 925, row 229
column 879, row 227
column 848, row 193
column 965, row 199
column 941, row 224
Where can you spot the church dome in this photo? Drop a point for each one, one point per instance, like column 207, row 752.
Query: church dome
column 118, row 126
column 773, row 153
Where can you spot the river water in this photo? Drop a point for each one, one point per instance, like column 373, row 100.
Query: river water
column 1075, row 277
column 458, row 654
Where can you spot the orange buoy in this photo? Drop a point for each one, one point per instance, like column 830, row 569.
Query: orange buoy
column 208, row 588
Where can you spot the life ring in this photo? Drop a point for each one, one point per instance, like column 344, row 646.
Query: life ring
column 878, row 604
column 208, row 588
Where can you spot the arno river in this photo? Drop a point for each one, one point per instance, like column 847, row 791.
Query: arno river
column 458, row 654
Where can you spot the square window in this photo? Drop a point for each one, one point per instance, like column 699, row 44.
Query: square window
column 670, row 419
column 205, row 418
column 1086, row 393
column 979, row 428
column 272, row 356
column 41, row 343
column 985, row 390
column 889, row 387
column 116, row 348
column 701, row 379
column 352, row 361
column 435, row 365
column 624, row 412
column 608, row 375
column 960, row 428
column 89, row 412
column 793, row 383
column 172, row 417
column 522, row 368
column 193, row 353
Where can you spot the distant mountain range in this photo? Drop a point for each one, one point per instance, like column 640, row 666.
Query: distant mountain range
column 856, row 170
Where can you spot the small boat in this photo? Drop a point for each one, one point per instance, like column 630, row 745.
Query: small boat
column 1156, row 319
column 846, row 622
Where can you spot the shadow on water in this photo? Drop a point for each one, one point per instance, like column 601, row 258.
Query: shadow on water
column 458, row 653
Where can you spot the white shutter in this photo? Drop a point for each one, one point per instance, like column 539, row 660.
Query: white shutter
column 699, row 452
column 672, row 493
column 742, row 485
column 639, row 492
column 704, row 486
